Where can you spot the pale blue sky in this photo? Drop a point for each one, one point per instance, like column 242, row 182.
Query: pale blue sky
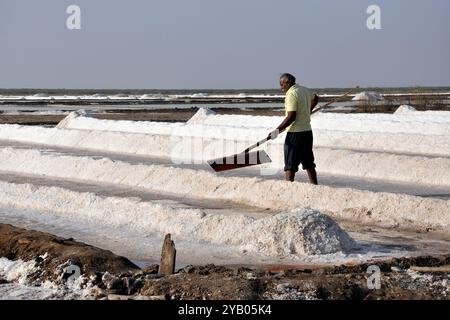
column 223, row 44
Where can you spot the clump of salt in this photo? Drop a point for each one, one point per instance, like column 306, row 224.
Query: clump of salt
column 200, row 116
column 64, row 123
column 17, row 270
column 404, row 108
column 301, row 232
column 370, row 96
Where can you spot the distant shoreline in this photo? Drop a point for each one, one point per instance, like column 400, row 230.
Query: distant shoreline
column 192, row 98
column 272, row 91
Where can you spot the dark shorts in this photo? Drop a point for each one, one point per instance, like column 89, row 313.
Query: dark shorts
column 298, row 149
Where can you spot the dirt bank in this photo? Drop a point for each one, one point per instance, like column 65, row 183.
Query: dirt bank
column 117, row 278
column 17, row 243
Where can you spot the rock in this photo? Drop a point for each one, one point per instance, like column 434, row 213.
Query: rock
column 119, row 297
column 283, row 287
column 280, row 275
column 168, row 256
column 396, row 269
column 161, row 297
column 141, row 297
column 151, row 269
column 98, row 293
column 96, row 279
column 24, row 241
column 107, row 277
column 250, row 276
column 117, row 286
column 188, row 269
column 133, row 285
column 445, row 269
column 139, row 273
column 153, row 276
column 203, row 272
column 39, row 260
column 135, row 297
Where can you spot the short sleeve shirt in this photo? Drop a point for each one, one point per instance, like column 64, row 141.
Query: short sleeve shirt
column 299, row 99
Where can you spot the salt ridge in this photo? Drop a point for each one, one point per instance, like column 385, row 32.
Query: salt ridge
column 283, row 235
column 214, row 124
column 369, row 158
column 364, row 206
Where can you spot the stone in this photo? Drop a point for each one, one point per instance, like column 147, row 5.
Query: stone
column 168, row 256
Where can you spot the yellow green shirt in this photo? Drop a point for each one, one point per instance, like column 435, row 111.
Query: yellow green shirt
column 298, row 99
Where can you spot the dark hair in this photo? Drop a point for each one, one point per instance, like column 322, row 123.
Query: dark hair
column 290, row 78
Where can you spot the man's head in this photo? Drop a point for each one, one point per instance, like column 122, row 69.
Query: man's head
column 287, row 80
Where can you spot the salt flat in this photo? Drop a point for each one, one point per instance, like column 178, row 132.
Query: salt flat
column 122, row 185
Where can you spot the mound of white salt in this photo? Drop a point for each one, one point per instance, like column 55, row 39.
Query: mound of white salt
column 370, row 96
column 64, row 123
column 40, row 95
column 199, row 95
column 16, row 270
column 301, row 232
column 146, row 96
column 200, row 116
column 404, row 108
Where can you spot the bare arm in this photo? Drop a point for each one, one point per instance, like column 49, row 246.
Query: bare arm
column 314, row 102
column 286, row 123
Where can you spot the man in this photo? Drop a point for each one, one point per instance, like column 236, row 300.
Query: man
column 299, row 103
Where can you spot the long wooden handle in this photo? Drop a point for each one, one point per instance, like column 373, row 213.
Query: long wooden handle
column 331, row 102
column 253, row 146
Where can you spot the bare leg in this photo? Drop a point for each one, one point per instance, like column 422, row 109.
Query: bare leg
column 312, row 175
column 289, row 175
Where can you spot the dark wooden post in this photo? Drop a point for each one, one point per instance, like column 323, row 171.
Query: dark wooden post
column 168, row 255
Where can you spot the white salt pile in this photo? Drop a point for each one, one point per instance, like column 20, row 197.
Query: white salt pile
column 40, row 95
column 404, row 108
column 22, row 286
column 64, row 123
column 200, row 116
column 199, row 95
column 17, row 271
column 369, row 96
column 301, row 232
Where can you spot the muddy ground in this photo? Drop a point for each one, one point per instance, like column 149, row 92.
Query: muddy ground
column 114, row 277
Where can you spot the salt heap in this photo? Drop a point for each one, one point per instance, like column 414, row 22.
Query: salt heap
column 40, row 95
column 151, row 96
column 17, row 270
column 404, row 108
column 72, row 115
column 300, row 232
column 370, row 96
column 200, row 116
column 199, row 95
